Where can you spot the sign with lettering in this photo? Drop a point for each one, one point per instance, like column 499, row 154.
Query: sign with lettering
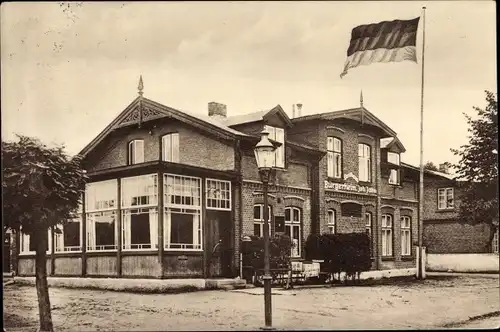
column 349, row 187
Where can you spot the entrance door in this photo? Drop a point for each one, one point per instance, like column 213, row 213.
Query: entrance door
column 6, row 253
column 220, row 248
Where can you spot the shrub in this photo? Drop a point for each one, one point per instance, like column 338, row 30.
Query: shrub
column 349, row 252
column 280, row 246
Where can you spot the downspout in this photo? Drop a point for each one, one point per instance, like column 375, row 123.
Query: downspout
column 378, row 218
column 238, row 158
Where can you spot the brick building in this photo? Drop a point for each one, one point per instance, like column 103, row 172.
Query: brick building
column 172, row 193
column 443, row 232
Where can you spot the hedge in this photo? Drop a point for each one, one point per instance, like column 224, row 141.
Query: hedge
column 347, row 252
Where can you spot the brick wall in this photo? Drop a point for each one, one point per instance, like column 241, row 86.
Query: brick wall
column 295, row 174
column 397, row 209
column 431, row 212
column 279, row 198
column 193, row 147
column 448, row 237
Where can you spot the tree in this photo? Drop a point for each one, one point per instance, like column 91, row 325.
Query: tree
column 42, row 187
column 430, row 166
column 478, row 168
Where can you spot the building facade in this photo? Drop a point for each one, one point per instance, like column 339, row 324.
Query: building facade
column 443, row 231
column 172, row 193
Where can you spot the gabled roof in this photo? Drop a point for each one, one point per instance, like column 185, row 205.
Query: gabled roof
column 357, row 114
column 153, row 110
column 388, row 142
column 257, row 116
column 428, row 171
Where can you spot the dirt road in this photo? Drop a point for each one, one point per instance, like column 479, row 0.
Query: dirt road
column 432, row 303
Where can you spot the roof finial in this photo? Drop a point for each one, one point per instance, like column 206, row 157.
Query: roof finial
column 361, row 99
column 140, row 87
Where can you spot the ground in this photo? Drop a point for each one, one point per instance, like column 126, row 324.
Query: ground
column 440, row 301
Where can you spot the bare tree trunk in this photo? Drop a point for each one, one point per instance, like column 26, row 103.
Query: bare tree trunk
column 42, row 287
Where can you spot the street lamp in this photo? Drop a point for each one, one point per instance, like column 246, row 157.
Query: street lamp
column 264, row 154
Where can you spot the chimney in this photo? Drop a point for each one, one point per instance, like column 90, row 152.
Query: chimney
column 299, row 110
column 443, row 168
column 293, row 111
column 216, row 110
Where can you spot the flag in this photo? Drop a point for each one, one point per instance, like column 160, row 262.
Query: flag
column 388, row 41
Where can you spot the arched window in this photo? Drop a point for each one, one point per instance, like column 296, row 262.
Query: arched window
column 258, row 219
column 293, row 229
column 170, row 147
column 331, row 219
column 405, row 235
column 136, row 152
column 387, row 235
column 334, row 157
column 365, row 165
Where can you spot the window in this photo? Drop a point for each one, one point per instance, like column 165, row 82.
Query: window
column 28, row 247
column 332, row 221
column 334, row 155
column 368, row 224
column 170, row 147
column 136, row 152
column 140, row 212
column 292, row 229
column 368, row 229
column 70, row 236
column 365, row 166
column 258, row 219
column 183, row 223
column 386, row 235
column 218, row 194
column 101, row 213
column 393, row 158
column 405, row 236
column 278, row 134
column 445, row 198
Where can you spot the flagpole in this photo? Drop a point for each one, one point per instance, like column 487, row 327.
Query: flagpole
column 420, row 263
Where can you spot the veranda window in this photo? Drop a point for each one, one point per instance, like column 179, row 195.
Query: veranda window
column 140, row 212
column 69, row 237
column 101, row 213
column 218, row 194
column 183, row 223
column 28, row 247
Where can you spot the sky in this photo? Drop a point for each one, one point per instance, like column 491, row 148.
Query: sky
column 70, row 69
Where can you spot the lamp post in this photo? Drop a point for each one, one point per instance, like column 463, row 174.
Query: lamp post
column 264, row 154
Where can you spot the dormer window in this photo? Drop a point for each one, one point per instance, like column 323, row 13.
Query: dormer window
column 278, row 135
column 136, row 152
column 393, row 160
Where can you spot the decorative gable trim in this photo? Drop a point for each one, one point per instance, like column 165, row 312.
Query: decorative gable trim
column 134, row 116
column 279, row 111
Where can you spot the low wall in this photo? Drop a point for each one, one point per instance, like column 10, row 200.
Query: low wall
column 463, row 262
column 138, row 285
